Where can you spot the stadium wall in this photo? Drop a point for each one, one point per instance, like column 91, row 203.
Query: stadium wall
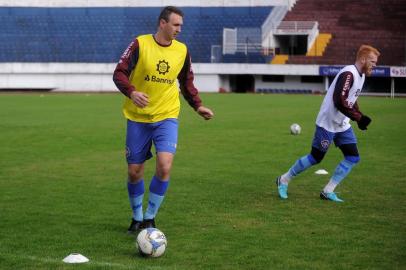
column 91, row 77
column 98, row 77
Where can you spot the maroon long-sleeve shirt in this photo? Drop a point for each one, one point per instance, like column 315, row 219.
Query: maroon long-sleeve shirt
column 341, row 90
column 128, row 62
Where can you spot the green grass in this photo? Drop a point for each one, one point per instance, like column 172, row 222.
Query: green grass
column 63, row 187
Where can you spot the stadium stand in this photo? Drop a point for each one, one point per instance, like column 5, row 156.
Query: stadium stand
column 100, row 35
column 74, row 45
column 379, row 23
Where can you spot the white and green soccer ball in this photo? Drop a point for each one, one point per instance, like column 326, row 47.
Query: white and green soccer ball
column 151, row 242
column 295, row 129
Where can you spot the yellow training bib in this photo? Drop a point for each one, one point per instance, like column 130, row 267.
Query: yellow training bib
column 156, row 75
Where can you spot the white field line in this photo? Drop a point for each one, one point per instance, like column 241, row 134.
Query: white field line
column 108, row 264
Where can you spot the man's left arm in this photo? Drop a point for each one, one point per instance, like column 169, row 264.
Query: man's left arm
column 189, row 91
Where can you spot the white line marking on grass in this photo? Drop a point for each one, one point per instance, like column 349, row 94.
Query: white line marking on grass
column 51, row 260
column 108, row 264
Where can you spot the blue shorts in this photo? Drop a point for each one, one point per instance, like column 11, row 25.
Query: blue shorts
column 140, row 136
column 323, row 138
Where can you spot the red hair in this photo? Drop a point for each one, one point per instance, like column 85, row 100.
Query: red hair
column 365, row 50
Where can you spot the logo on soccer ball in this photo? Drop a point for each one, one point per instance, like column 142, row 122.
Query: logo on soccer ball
column 162, row 67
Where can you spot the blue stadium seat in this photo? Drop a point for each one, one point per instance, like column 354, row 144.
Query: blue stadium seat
column 32, row 34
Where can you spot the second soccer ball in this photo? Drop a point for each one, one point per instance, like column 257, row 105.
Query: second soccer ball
column 295, row 129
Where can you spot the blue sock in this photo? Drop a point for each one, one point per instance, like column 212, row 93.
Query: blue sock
column 301, row 164
column 343, row 169
column 136, row 194
column 157, row 190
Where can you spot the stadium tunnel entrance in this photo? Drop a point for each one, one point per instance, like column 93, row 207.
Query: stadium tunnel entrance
column 242, row 83
column 292, row 44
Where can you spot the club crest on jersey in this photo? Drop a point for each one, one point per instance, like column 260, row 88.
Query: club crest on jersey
column 162, row 67
column 325, row 144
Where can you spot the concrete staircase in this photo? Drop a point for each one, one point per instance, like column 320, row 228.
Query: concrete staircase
column 280, row 59
column 319, row 45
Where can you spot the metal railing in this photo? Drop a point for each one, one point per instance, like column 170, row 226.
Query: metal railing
column 243, row 47
column 296, row 27
column 273, row 20
column 243, row 40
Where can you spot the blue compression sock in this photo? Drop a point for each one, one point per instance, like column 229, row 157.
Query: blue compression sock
column 136, row 194
column 343, row 169
column 157, row 190
column 301, row 164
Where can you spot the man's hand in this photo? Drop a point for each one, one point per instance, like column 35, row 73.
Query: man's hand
column 204, row 112
column 364, row 122
column 139, row 99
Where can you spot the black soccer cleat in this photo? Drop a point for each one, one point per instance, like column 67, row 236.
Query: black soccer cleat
column 135, row 226
column 149, row 223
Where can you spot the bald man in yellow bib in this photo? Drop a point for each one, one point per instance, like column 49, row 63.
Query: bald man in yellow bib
column 147, row 74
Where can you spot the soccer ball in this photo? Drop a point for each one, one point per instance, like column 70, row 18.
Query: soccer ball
column 295, row 129
column 151, row 242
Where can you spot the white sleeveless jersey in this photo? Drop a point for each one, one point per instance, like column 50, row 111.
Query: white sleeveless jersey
column 329, row 117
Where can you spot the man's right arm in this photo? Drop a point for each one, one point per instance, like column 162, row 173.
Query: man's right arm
column 125, row 66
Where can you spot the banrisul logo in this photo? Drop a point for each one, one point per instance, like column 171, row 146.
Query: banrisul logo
column 156, row 79
column 162, row 67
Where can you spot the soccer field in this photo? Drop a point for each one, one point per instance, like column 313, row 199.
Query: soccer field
column 63, row 187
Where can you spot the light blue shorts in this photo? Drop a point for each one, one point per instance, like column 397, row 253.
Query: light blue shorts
column 323, row 138
column 140, row 136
